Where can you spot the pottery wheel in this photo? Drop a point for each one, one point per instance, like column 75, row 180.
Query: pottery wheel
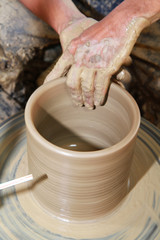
column 137, row 217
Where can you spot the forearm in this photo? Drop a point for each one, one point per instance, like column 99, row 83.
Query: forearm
column 149, row 9
column 57, row 13
column 135, row 14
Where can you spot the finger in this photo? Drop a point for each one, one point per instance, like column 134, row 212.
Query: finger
column 61, row 68
column 102, row 81
column 117, row 82
column 127, row 61
column 87, row 85
column 74, row 85
column 124, row 77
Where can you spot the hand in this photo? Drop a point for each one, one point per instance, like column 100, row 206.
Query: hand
column 92, row 58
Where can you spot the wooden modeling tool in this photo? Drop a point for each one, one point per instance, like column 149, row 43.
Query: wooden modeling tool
column 16, row 181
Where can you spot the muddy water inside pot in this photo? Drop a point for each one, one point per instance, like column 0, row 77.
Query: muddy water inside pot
column 75, row 144
column 76, row 135
column 63, row 137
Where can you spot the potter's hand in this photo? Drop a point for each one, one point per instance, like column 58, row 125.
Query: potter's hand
column 99, row 48
column 85, row 61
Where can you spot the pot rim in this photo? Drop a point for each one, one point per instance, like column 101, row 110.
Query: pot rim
column 50, row 146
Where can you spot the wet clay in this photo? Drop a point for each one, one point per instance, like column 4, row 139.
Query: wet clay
column 87, row 155
column 137, row 216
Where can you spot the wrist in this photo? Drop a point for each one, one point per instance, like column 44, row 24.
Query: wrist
column 63, row 14
column 57, row 13
column 66, row 22
column 150, row 10
column 125, row 18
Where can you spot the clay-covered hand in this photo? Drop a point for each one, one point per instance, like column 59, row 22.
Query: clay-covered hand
column 90, row 60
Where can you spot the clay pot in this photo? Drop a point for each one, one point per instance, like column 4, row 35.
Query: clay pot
column 86, row 154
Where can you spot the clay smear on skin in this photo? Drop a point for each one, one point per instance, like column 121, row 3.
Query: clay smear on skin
column 96, row 54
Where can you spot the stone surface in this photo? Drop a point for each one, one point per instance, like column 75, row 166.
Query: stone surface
column 22, row 35
column 8, row 106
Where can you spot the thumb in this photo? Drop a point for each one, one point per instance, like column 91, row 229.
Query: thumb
column 61, row 68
